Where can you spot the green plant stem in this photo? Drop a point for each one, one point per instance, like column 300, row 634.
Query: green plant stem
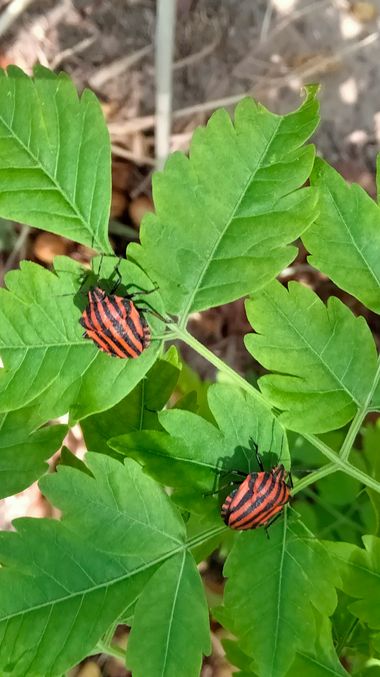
column 205, row 536
column 326, row 451
column 337, row 462
column 336, row 465
column 184, row 335
column 347, row 636
column 109, row 634
column 115, row 651
column 110, row 650
column 314, row 477
column 349, row 469
column 358, row 419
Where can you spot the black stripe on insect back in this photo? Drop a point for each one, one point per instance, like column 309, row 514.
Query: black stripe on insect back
column 118, row 326
column 104, row 334
column 126, row 328
column 254, row 502
column 126, row 304
column 258, row 518
column 248, row 495
column 133, row 329
column 109, row 335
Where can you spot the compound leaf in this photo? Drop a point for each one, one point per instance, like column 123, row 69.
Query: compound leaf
column 324, row 356
column 208, row 242
column 360, row 572
column 271, row 593
column 323, row 660
column 371, row 445
column 55, row 160
column 193, row 452
column 138, row 410
column 344, row 241
column 24, row 450
column 172, row 611
column 43, row 351
column 64, row 583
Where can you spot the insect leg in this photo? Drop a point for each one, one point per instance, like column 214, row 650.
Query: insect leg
column 116, row 270
column 100, row 264
column 255, row 450
column 142, row 291
column 269, row 524
column 150, row 310
column 237, row 473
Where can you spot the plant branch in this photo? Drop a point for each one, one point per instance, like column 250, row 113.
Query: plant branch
column 337, row 462
column 191, row 341
column 326, row 451
column 346, row 636
column 358, row 419
column 205, row 536
column 110, row 650
column 314, row 477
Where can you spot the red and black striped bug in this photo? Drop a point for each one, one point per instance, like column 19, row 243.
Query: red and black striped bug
column 259, row 498
column 114, row 323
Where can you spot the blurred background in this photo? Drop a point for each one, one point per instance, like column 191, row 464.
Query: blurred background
column 160, row 70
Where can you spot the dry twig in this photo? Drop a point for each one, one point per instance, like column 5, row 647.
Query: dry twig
column 133, row 157
column 11, row 13
column 304, row 72
column 118, row 67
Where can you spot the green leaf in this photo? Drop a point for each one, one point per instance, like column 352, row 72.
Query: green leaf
column 55, row 160
column 272, row 591
column 322, row 661
column 8, row 235
column 189, row 382
column 345, row 238
column 24, row 450
column 371, row 446
column 68, row 459
column 193, row 452
column 62, row 584
column 40, row 335
column 378, row 177
column 172, row 612
column 196, row 525
column 137, row 411
column 360, row 572
column 376, row 642
column 208, row 242
column 237, row 657
column 340, row 489
column 324, row 357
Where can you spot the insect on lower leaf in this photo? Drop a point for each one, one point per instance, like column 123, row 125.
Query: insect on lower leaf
column 259, row 499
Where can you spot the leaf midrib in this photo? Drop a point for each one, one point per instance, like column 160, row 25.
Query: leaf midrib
column 36, row 346
column 279, row 592
column 174, row 458
column 322, row 665
column 51, row 178
column 170, row 623
column 361, row 255
column 161, row 558
column 308, row 345
column 209, row 259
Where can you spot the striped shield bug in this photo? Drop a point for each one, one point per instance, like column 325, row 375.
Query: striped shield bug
column 115, row 323
column 259, row 498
